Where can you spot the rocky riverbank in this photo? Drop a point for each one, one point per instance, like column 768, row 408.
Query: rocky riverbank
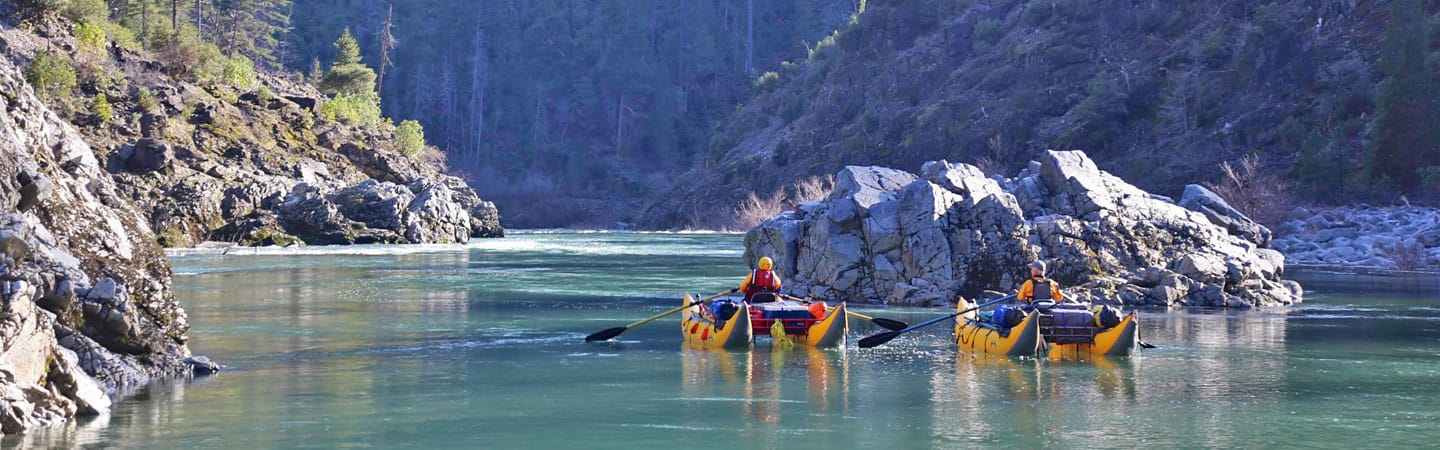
column 87, row 309
column 252, row 166
column 1362, row 237
column 885, row 235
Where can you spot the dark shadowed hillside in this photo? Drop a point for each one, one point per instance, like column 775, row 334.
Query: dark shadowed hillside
column 1152, row 89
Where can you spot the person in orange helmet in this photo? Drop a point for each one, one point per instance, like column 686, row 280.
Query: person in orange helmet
column 762, row 285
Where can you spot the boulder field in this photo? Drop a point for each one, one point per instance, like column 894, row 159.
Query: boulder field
column 890, row 236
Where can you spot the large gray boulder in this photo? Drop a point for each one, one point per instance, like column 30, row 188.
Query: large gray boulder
column 889, row 236
column 1218, row 211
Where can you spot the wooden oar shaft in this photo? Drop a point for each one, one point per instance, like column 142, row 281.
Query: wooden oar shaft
column 956, row 313
column 673, row 311
column 858, row 315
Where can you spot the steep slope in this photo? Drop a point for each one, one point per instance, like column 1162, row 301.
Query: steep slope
column 86, row 288
column 1151, row 89
column 568, row 112
column 255, row 165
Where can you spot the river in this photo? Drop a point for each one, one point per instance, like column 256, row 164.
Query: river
column 481, row 346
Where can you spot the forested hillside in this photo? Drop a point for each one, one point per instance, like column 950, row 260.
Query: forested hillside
column 1333, row 99
column 550, row 105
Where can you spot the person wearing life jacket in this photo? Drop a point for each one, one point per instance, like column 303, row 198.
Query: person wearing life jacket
column 762, row 284
column 1038, row 287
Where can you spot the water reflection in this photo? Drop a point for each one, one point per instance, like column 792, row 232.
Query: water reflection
column 763, row 383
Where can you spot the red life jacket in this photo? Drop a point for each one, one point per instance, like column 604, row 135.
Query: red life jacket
column 762, row 281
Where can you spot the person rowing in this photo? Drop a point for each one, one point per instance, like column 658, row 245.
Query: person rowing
column 761, row 285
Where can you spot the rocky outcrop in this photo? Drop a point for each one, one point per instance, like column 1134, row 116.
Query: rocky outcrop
column 87, row 308
column 226, row 164
column 889, row 236
column 1363, row 237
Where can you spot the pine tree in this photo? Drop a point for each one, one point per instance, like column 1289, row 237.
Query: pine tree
column 253, row 28
column 347, row 75
column 1408, row 132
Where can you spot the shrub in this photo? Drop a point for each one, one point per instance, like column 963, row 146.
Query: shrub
column 767, row 79
column 353, row 109
column 188, row 57
column 1407, row 256
column 410, row 138
column 146, row 101
column 121, row 36
column 263, row 95
column 238, row 71
column 100, row 108
column 1261, row 195
column 50, row 74
column 1430, row 179
column 756, row 209
column 86, row 11
column 29, row 9
column 91, row 36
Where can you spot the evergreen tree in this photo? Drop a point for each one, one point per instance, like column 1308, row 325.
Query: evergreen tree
column 347, row 75
column 1408, row 127
column 254, row 28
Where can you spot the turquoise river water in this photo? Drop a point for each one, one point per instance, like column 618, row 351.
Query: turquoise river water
column 481, row 346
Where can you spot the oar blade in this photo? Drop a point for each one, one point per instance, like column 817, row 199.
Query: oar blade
column 878, row 339
column 889, row 324
column 605, row 335
column 1144, row 344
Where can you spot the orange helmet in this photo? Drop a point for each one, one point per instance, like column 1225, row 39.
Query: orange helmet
column 765, row 263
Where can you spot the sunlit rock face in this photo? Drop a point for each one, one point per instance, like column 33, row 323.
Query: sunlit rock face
column 889, row 236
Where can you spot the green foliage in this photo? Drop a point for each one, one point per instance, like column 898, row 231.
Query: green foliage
column 86, row 11
column 91, row 36
column 50, row 74
column 264, row 95
column 767, row 79
column 121, row 36
column 349, row 49
column 316, row 73
column 361, row 109
column 987, row 33
column 410, row 138
column 29, row 9
column 100, row 108
column 191, row 58
column 238, row 71
column 146, row 101
column 1429, row 178
column 252, row 28
column 1408, row 127
column 347, row 75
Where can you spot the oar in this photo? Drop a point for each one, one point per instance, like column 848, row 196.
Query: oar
column 891, row 324
column 882, row 338
column 610, row 333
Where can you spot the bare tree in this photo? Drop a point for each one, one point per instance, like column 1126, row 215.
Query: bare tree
column 387, row 42
column 479, row 82
column 750, row 37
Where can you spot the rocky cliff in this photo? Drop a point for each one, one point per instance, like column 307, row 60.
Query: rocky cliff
column 256, row 165
column 87, row 308
column 885, row 235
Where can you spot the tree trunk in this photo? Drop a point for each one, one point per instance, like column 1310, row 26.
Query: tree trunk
column 750, row 37
column 479, row 82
